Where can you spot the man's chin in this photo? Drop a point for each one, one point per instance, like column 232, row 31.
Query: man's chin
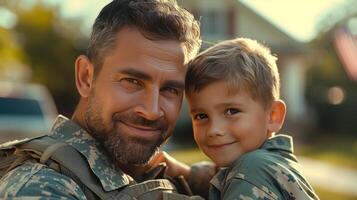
column 137, row 153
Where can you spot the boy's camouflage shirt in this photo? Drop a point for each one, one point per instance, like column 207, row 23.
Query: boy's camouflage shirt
column 271, row 172
column 33, row 180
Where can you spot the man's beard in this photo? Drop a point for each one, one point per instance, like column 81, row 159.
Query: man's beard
column 122, row 148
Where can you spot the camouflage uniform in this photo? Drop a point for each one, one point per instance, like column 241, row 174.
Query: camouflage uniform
column 36, row 181
column 271, row 172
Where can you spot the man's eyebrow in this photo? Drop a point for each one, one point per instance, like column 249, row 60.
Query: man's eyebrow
column 175, row 84
column 135, row 73
column 143, row 76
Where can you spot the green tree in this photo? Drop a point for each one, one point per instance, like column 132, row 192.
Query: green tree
column 11, row 53
column 328, row 72
column 51, row 45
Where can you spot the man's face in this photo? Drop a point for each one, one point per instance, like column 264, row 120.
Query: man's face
column 136, row 97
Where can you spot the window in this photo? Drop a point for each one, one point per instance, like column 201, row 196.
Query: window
column 21, row 107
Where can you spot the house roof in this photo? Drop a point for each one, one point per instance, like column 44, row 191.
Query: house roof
column 286, row 45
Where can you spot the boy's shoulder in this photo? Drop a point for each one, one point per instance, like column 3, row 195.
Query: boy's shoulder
column 275, row 150
column 275, row 156
column 254, row 161
column 271, row 171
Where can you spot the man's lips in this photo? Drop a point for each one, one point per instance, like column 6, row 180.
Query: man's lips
column 145, row 128
column 140, row 130
column 221, row 145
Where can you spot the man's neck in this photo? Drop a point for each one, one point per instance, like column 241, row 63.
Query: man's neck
column 135, row 171
column 78, row 115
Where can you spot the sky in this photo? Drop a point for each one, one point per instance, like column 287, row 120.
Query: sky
column 89, row 9
column 297, row 18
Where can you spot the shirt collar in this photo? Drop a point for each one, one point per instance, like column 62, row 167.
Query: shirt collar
column 279, row 142
column 71, row 133
column 219, row 178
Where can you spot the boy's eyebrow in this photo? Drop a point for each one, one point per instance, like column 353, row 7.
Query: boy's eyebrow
column 236, row 105
column 228, row 104
column 220, row 105
column 143, row 76
column 195, row 110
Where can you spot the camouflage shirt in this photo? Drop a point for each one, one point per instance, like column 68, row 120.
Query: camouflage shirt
column 271, row 172
column 33, row 180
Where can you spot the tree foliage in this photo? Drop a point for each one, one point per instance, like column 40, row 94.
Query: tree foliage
column 50, row 45
column 328, row 72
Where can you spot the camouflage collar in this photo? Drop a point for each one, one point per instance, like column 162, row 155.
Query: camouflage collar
column 279, row 142
column 67, row 131
column 218, row 179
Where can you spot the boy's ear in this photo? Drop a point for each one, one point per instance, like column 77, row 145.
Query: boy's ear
column 277, row 116
column 84, row 73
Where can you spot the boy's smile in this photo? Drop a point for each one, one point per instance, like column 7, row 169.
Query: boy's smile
column 227, row 125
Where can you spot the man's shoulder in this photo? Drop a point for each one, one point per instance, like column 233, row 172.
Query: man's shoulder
column 33, row 179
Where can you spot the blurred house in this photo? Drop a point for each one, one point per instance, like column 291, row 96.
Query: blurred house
column 227, row 19
column 345, row 43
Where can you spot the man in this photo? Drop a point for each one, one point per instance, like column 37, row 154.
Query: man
column 131, row 85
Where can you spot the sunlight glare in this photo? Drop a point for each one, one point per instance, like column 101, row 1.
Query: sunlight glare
column 335, row 95
column 297, row 18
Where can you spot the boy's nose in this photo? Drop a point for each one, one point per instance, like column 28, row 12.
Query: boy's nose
column 216, row 129
column 149, row 107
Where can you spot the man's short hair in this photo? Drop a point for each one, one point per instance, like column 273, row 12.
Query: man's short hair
column 155, row 19
column 242, row 63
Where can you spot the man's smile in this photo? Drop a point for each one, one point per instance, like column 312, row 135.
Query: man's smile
column 140, row 131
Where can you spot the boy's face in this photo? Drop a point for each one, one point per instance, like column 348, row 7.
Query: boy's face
column 227, row 125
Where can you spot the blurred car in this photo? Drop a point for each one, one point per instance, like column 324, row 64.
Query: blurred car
column 26, row 110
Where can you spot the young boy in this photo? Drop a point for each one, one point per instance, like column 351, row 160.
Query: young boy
column 233, row 92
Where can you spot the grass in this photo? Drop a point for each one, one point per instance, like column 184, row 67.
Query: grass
column 340, row 151
column 328, row 195
column 189, row 156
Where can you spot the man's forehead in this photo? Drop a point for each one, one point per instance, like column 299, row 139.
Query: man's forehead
column 129, row 37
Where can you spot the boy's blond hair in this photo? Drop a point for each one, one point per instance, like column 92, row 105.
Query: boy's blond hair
column 241, row 63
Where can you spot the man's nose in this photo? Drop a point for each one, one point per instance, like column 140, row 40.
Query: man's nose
column 150, row 107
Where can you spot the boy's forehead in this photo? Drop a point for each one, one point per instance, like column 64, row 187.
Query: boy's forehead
column 224, row 89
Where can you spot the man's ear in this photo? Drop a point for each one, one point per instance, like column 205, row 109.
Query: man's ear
column 277, row 116
column 84, row 71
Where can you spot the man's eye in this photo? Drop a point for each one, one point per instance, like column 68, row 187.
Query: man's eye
column 130, row 83
column 231, row 111
column 171, row 92
column 131, row 80
column 200, row 116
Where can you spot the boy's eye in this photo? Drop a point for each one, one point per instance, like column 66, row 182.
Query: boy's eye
column 231, row 111
column 199, row 116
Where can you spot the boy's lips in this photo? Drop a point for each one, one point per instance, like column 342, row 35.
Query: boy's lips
column 221, row 145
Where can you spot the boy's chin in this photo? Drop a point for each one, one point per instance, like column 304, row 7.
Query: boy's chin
column 224, row 162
